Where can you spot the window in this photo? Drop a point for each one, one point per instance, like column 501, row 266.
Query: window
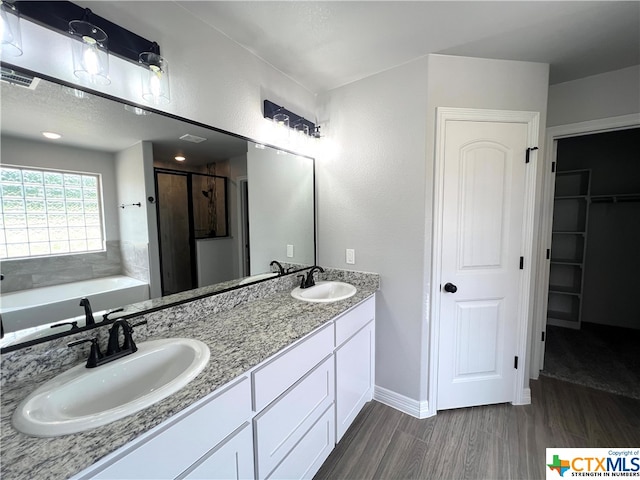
column 49, row 212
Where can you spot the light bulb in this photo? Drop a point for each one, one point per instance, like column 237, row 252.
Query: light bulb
column 90, row 53
column 155, row 81
column 90, row 56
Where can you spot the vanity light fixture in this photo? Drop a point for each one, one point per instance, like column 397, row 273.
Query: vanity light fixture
column 300, row 124
column 10, row 29
column 91, row 34
column 90, row 51
column 51, row 135
column 155, row 76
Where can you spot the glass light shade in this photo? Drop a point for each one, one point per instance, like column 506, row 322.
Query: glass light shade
column 301, row 129
column 90, row 53
column 155, row 78
column 10, row 30
column 281, row 120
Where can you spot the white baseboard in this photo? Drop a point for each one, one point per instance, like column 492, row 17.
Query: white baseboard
column 525, row 398
column 404, row 404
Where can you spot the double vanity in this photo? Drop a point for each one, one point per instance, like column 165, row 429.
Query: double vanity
column 285, row 377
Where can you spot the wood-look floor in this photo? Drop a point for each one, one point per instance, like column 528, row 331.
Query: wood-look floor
column 488, row 442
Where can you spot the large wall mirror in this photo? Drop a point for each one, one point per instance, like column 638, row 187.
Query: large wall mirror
column 108, row 213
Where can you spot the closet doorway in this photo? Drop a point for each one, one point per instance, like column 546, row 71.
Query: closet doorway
column 593, row 324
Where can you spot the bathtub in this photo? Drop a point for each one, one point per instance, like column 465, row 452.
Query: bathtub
column 30, row 308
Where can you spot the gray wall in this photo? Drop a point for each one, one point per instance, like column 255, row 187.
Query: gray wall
column 375, row 187
column 371, row 197
column 280, row 208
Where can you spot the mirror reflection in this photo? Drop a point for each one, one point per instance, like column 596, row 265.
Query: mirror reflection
column 128, row 205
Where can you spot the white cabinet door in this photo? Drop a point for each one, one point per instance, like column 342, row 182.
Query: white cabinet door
column 281, row 425
column 233, row 460
column 354, row 376
column 307, row 457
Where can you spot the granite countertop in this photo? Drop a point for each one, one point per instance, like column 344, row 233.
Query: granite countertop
column 239, row 339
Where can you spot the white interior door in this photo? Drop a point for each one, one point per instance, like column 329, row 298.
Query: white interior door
column 480, row 286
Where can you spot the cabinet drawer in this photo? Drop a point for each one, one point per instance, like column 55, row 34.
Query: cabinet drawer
column 231, row 460
column 285, row 421
column 354, row 320
column 305, row 459
column 185, row 440
column 271, row 380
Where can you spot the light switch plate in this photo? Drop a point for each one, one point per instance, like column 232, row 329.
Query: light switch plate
column 290, row 251
column 351, row 256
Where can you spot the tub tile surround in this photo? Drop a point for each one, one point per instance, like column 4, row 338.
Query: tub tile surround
column 242, row 328
column 24, row 274
column 135, row 260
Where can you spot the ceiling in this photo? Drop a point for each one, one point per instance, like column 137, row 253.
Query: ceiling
column 100, row 124
column 324, row 45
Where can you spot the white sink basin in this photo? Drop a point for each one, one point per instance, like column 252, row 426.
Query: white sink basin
column 259, row 276
column 324, row 292
column 84, row 398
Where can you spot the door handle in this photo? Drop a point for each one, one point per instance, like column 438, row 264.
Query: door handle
column 450, row 287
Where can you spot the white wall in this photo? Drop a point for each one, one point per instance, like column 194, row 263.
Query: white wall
column 31, row 153
column 138, row 225
column 130, row 184
column 370, row 188
column 609, row 94
column 237, row 169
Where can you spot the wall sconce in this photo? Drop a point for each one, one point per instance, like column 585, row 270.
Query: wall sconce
column 10, row 29
column 90, row 51
column 91, row 55
column 155, row 76
column 298, row 123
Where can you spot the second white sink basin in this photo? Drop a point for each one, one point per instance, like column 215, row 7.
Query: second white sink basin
column 84, row 398
column 325, row 292
column 258, row 277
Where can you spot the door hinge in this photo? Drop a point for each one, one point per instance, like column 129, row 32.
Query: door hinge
column 548, row 253
column 515, row 362
column 529, row 150
column 542, row 339
column 521, row 263
column 553, row 167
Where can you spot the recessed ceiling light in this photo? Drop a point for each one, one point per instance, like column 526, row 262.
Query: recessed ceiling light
column 51, row 135
column 180, row 158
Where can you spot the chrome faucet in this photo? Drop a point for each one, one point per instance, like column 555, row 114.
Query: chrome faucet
column 277, row 264
column 88, row 314
column 309, row 281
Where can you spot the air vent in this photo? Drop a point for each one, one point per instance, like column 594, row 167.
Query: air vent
column 19, row 79
column 192, row 138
